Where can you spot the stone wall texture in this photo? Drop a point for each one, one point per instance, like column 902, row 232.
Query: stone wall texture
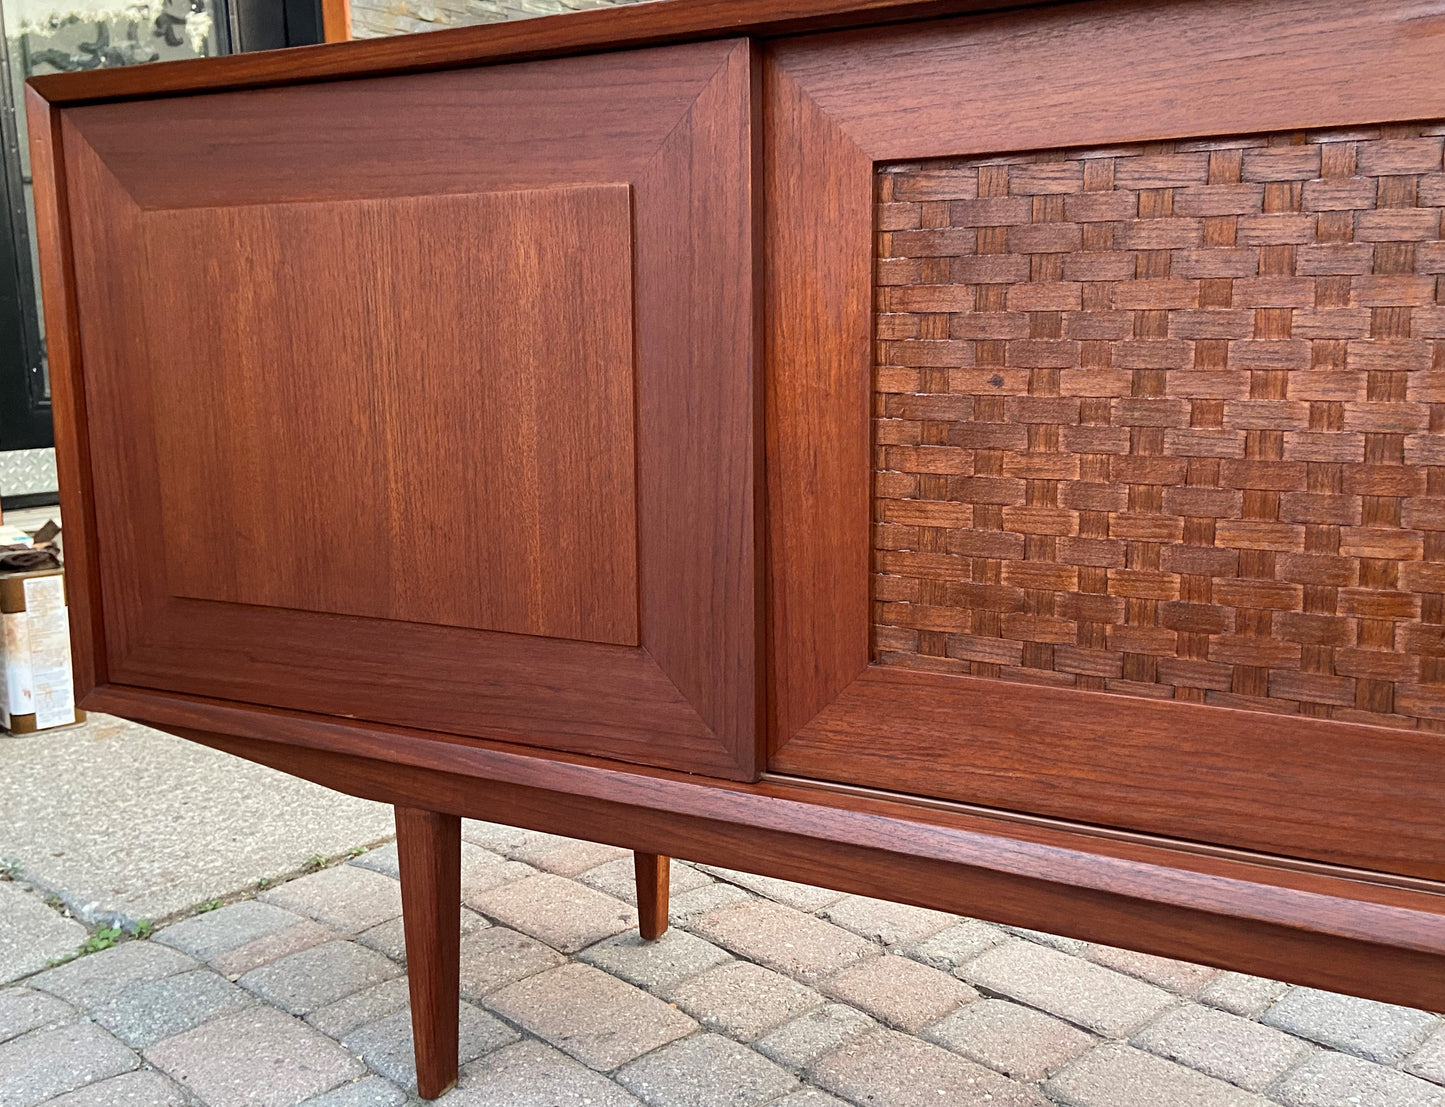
column 374, row 18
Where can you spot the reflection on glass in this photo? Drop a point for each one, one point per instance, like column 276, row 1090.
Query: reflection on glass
column 60, row 36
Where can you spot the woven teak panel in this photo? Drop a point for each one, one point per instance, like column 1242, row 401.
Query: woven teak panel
column 1169, row 421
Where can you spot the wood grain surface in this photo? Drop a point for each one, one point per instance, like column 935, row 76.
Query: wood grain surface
column 1174, row 71
column 818, row 257
column 336, row 20
column 67, row 392
column 510, row 501
column 653, row 889
column 1209, row 774
column 449, row 441
column 429, row 857
column 579, row 32
column 1034, row 86
column 1328, row 927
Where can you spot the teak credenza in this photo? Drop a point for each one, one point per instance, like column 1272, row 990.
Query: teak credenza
column 993, row 461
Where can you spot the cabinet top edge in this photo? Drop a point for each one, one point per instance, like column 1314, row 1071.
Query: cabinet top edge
column 656, row 23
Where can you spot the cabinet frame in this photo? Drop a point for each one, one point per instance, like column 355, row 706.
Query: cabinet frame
column 1326, row 924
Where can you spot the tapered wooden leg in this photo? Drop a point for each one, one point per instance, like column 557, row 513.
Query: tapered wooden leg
column 652, row 877
column 429, row 847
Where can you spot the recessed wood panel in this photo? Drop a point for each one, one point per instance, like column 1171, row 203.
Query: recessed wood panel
column 418, row 408
column 1163, row 421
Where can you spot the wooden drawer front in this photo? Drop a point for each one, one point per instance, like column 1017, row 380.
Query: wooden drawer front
column 1149, row 434
column 385, row 381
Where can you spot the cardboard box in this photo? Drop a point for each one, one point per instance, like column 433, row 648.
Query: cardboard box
column 38, row 691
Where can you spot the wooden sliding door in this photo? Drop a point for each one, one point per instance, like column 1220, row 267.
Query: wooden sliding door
column 1107, row 393
column 429, row 399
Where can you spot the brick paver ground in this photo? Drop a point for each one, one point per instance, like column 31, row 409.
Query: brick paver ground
column 764, row 992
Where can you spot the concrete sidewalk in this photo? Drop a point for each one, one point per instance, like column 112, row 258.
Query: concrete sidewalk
column 125, row 823
column 269, row 989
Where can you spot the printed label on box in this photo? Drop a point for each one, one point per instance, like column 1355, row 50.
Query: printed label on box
column 49, row 632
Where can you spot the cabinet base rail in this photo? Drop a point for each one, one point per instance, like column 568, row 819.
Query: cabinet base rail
column 1326, row 926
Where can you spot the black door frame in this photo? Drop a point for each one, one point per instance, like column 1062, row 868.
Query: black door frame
column 25, row 422
column 273, row 24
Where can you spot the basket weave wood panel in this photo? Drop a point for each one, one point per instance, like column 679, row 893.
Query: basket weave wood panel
column 1169, row 420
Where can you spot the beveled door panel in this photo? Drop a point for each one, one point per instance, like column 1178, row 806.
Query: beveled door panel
column 433, row 399
column 1130, row 504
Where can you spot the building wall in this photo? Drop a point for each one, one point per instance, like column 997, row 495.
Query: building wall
column 374, row 18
